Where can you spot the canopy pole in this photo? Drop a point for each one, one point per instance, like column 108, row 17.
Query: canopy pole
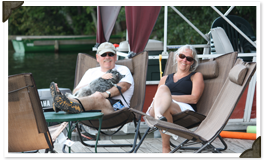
column 229, row 10
column 234, row 26
column 127, row 41
column 165, row 30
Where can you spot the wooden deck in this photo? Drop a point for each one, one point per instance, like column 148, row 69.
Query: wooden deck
column 154, row 145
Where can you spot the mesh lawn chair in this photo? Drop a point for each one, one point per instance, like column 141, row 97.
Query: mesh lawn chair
column 27, row 128
column 214, row 71
column 138, row 67
column 219, row 114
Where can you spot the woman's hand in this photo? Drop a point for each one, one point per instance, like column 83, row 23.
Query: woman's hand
column 107, row 76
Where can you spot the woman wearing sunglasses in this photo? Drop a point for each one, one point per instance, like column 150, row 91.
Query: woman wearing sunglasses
column 178, row 91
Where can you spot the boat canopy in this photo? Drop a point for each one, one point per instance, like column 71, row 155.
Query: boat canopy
column 106, row 18
column 139, row 25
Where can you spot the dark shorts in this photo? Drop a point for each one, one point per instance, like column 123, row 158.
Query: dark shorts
column 116, row 104
column 112, row 101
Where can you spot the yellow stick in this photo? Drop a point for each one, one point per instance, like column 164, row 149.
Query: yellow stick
column 160, row 58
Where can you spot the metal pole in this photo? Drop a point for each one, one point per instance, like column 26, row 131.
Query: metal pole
column 165, row 30
column 250, row 97
column 127, row 41
column 234, row 26
column 197, row 30
column 229, row 10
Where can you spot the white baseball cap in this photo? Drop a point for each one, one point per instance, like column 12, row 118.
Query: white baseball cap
column 106, row 47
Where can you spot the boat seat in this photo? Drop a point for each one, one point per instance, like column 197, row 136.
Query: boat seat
column 221, row 42
column 239, row 43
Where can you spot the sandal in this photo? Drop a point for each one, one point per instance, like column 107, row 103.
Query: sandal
column 162, row 118
column 63, row 103
column 153, row 129
column 53, row 93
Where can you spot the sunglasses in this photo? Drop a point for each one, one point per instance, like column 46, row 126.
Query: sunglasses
column 109, row 54
column 182, row 56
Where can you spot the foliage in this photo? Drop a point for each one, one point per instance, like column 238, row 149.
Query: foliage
column 52, row 20
column 81, row 20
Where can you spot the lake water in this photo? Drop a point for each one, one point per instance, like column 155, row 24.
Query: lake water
column 45, row 67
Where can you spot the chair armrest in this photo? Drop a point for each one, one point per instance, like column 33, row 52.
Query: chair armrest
column 137, row 111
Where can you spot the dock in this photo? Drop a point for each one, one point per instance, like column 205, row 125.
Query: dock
column 152, row 145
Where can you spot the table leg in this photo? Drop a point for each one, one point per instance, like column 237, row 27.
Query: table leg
column 69, row 137
column 98, row 134
column 69, row 134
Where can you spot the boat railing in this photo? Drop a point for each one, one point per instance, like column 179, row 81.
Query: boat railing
column 207, row 56
column 203, row 56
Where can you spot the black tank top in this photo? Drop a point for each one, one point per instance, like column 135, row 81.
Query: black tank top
column 182, row 87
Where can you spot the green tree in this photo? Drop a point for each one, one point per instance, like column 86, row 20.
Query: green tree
column 54, row 20
column 38, row 21
column 81, row 20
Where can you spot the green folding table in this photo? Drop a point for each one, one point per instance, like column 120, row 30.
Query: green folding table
column 62, row 116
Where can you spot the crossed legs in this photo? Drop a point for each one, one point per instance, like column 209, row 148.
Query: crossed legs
column 164, row 106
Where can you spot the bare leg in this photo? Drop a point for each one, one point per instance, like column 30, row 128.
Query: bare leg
column 173, row 109
column 163, row 101
column 95, row 102
column 163, row 106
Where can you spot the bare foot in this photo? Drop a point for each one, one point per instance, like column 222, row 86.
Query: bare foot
column 166, row 150
column 57, row 88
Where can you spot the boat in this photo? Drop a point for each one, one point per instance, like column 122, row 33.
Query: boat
column 245, row 111
column 37, row 44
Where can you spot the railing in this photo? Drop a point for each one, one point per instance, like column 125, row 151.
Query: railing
column 208, row 56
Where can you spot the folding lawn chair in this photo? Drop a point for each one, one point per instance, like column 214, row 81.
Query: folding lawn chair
column 215, row 71
column 27, row 127
column 221, row 110
column 138, row 67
